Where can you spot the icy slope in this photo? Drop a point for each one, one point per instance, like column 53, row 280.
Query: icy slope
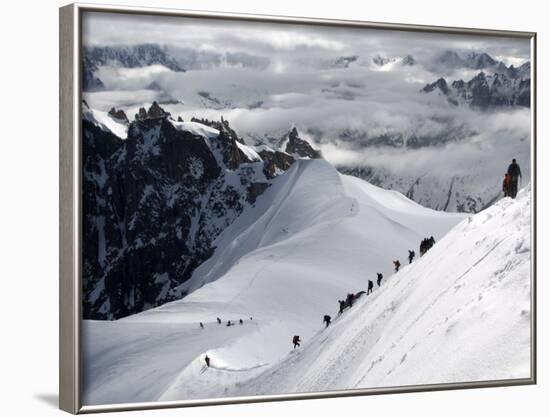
column 105, row 122
column 311, row 238
column 460, row 313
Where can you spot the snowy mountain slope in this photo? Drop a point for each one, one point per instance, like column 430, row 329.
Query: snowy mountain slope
column 460, row 313
column 106, row 122
column 310, row 238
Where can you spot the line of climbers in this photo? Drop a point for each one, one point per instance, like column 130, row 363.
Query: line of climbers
column 228, row 324
column 510, row 189
column 425, row 245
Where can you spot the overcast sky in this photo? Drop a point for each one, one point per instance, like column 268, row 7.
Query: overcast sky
column 283, row 41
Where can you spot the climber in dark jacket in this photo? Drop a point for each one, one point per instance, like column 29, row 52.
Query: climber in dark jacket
column 411, row 256
column 369, row 288
column 202, row 325
column 379, row 277
column 326, row 319
column 207, row 360
column 342, row 305
column 514, row 171
column 397, row 264
column 296, row 341
column 219, row 320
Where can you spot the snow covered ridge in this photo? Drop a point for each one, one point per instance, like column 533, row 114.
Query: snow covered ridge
column 157, row 193
column 106, row 121
column 459, row 313
column 285, row 262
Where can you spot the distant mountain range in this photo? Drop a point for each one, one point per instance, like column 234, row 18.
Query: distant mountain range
column 471, row 60
column 134, row 56
column 510, row 86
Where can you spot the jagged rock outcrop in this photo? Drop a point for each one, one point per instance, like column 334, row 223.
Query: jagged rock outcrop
column 440, row 84
column 118, row 115
column 275, row 162
column 297, row 146
column 155, row 111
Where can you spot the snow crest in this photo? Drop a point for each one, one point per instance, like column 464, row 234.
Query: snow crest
column 461, row 312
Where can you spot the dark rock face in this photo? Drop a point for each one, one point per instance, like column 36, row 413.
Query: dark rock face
column 254, row 190
column 141, row 198
column 154, row 203
column 275, row 162
column 300, row 147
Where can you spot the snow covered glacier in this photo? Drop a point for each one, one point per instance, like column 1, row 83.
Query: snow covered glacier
column 459, row 313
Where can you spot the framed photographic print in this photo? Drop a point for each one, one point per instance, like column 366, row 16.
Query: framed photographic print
column 258, row 208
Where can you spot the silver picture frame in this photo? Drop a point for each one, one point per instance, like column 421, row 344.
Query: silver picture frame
column 70, row 206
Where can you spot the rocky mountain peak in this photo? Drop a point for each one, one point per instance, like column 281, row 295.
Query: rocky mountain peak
column 440, row 84
column 154, row 112
column 118, row 115
column 300, row 147
column 480, row 60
